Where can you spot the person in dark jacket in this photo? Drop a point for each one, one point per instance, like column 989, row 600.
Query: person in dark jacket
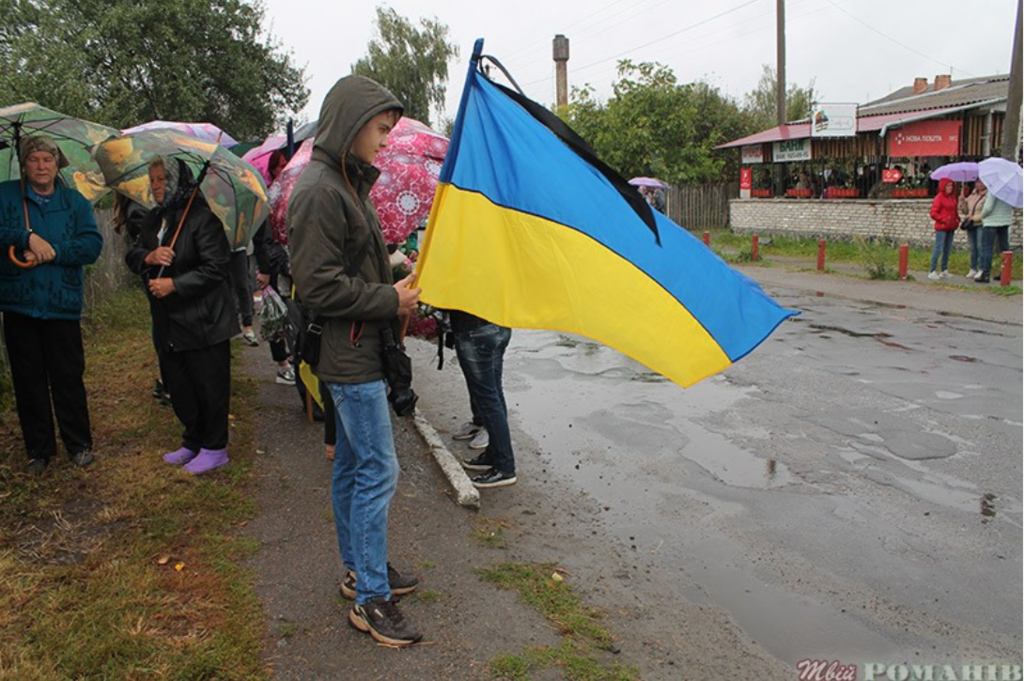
column 341, row 272
column 186, row 275
column 42, row 305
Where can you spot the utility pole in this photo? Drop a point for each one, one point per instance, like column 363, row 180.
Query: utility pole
column 561, row 56
column 780, row 61
column 780, row 86
column 1011, row 124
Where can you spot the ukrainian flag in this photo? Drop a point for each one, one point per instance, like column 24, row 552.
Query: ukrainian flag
column 529, row 230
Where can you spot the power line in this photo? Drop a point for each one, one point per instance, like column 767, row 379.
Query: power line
column 890, row 38
column 670, row 35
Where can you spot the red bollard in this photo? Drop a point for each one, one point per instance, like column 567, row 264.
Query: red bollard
column 1004, row 276
column 821, row 255
column 754, row 255
column 707, row 238
column 904, row 259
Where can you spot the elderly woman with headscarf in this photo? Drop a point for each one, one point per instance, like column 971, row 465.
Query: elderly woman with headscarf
column 182, row 254
column 52, row 226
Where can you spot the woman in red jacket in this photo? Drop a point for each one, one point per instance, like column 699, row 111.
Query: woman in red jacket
column 947, row 219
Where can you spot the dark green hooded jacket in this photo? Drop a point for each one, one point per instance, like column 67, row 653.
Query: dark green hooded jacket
column 331, row 219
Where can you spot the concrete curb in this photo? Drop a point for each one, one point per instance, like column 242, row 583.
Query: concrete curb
column 466, row 494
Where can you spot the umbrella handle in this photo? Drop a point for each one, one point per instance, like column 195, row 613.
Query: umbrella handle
column 12, row 253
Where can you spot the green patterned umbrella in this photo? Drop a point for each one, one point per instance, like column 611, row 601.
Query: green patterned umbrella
column 233, row 189
column 74, row 136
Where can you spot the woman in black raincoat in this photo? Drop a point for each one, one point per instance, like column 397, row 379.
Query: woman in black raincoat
column 185, row 266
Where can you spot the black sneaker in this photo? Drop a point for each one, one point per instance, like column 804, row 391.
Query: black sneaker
column 398, row 583
column 982, row 278
column 480, row 463
column 494, row 478
column 383, row 620
column 158, row 389
column 82, row 458
column 37, row 466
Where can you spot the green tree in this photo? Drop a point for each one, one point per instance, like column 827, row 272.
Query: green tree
column 655, row 126
column 412, row 63
column 760, row 103
column 124, row 62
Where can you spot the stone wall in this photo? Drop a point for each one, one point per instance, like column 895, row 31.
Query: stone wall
column 896, row 220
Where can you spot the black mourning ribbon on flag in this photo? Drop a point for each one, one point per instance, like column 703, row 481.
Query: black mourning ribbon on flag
column 580, row 147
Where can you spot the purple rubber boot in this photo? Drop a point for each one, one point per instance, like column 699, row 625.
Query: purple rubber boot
column 208, row 460
column 180, row 456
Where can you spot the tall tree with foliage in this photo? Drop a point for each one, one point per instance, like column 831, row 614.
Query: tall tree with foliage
column 412, row 63
column 760, row 103
column 655, row 126
column 124, row 62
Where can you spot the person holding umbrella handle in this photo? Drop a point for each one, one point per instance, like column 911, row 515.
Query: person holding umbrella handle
column 54, row 228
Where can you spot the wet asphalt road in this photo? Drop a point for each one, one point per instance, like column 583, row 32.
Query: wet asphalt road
column 850, row 491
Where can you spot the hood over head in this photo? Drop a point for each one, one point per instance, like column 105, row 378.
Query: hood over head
column 942, row 185
column 352, row 102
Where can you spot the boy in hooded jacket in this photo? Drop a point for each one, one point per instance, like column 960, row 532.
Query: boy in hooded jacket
column 341, row 272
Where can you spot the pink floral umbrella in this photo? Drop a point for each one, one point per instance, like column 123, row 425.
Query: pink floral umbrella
column 205, row 132
column 281, row 190
column 259, row 157
column 409, row 168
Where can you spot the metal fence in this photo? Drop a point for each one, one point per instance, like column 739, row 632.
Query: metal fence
column 701, row 206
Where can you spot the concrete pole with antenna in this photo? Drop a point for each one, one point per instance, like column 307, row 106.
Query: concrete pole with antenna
column 1011, row 124
column 561, row 56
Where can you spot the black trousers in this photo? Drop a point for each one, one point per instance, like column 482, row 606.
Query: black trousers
column 48, row 363
column 200, row 385
column 241, row 285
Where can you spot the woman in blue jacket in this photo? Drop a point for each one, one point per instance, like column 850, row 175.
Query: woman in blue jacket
column 42, row 304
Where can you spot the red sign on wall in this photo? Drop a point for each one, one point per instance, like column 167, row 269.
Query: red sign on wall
column 891, row 175
column 746, row 178
column 925, row 138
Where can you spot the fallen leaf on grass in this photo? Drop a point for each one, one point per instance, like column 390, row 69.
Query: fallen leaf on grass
column 179, row 566
column 163, row 560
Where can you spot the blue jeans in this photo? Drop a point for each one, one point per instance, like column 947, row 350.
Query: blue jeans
column 481, row 353
column 943, row 243
column 988, row 238
column 974, row 245
column 364, row 479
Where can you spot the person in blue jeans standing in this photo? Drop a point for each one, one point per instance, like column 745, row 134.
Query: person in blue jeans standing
column 996, row 217
column 341, row 272
column 480, row 347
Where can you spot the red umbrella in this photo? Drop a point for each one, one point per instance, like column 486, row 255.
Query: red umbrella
column 409, row 168
column 403, row 193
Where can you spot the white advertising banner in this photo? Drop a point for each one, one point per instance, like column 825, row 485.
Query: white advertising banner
column 752, row 153
column 834, row 120
column 792, row 150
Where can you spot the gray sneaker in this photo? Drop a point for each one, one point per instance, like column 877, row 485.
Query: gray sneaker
column 481, row 440
column 382, row 620
column 466, row 431
column 285, row 376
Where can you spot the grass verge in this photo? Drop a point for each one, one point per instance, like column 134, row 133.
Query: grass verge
column 129, row 569
column 880, row 259
column 586, row 645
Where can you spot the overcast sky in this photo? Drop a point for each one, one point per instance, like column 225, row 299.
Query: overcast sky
column 853, row 50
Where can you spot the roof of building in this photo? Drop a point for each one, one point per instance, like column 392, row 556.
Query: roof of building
column 959, row 93
column 901, row 106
